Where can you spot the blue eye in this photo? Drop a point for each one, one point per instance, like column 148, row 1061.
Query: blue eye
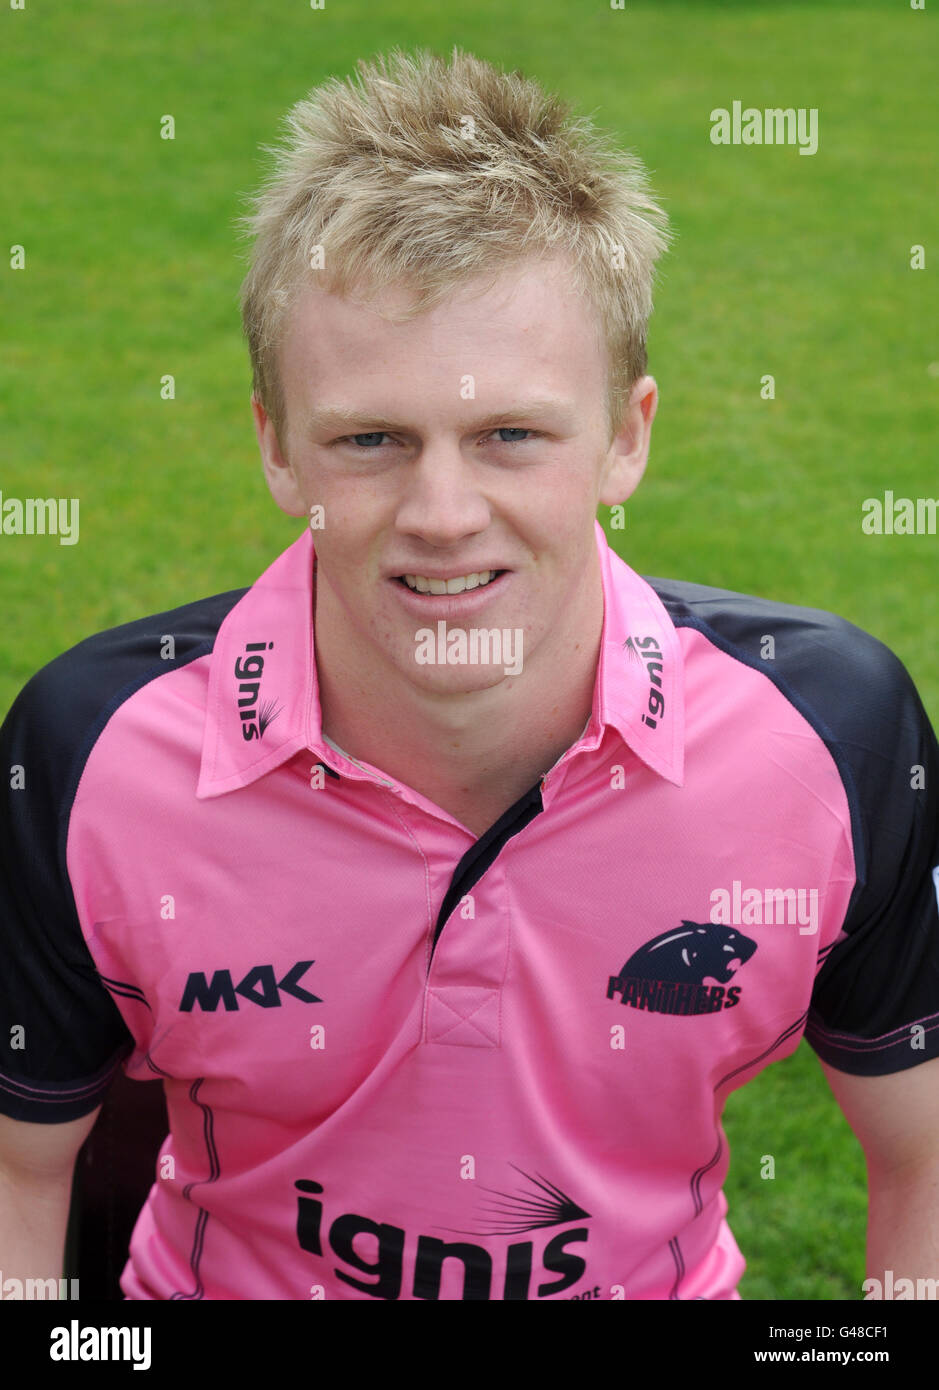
column 372, row 439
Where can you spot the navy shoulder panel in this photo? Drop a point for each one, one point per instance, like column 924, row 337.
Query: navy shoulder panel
column 61, row 1034
column 875, row 1006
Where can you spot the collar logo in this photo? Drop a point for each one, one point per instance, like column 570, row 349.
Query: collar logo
column 684, row 971
column 647, row 651
column 255, row 714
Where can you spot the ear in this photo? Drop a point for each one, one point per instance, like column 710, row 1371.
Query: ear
column 278, row 472
column 629, row 451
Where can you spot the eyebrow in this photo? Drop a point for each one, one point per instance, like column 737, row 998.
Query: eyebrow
column 329, row 419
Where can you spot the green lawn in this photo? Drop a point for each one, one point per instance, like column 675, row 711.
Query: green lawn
column 793, row 266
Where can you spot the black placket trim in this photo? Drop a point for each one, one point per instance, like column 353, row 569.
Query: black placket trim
column 479, row 856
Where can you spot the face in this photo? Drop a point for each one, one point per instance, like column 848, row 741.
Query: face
column 472, row 438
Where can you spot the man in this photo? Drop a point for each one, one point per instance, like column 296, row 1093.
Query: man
column 452, row 875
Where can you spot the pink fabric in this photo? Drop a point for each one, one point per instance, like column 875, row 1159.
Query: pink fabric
column 501, row 1065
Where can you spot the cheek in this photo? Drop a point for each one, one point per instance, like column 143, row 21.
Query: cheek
column 350, row 556
column 356, row 512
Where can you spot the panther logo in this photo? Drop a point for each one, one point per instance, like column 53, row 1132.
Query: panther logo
column 684, row 971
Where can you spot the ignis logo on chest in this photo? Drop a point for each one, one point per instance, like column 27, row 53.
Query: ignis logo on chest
column 376, row 1251
column 647, row 650
column 255, row 715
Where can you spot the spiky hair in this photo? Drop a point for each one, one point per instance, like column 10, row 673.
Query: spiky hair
column 429, row 173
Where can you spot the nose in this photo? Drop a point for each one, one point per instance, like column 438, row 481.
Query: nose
column 441, row 501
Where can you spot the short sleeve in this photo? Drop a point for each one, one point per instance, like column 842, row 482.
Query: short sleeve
column 62, row 1037
column 875, row 1004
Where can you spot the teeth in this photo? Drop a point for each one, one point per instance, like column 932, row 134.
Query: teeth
column 448, row 586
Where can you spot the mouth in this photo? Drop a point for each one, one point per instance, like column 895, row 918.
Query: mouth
column 452, row 605
column 424, row 586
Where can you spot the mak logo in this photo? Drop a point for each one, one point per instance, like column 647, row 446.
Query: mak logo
column 260, row 985
column 647, row 650
column 684, row 971
column 254, row 713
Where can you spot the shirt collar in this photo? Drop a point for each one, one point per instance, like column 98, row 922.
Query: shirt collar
column 262, row 667
column 639, row 688
column 263, row 701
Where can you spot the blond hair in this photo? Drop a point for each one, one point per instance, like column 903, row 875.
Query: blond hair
column 429, row 173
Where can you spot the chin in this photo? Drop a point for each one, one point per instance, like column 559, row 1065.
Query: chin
column 456, row 680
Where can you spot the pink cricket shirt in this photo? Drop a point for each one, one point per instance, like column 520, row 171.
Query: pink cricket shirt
column 403, row 1063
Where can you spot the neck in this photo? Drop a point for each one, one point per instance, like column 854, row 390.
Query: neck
column 472, row 753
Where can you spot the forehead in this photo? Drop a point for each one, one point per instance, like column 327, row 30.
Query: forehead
column 530, row 322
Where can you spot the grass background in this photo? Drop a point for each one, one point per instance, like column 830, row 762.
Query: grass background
column 784, row 264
